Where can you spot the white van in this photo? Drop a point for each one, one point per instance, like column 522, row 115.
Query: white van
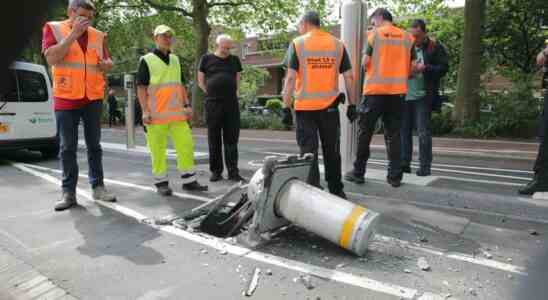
column 27, row 119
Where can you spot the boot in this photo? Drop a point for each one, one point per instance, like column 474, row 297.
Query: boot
column 237, row 178
column 352, row 177
column 534, row 186
column 216, row 177
column 195, row 187
column 406, row 169
column 163, row 189
column 68, row 200
column 100, row 193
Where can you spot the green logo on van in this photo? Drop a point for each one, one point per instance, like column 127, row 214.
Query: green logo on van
column 35, row 120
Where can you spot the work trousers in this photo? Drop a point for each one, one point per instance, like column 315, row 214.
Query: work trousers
column 541, row 163
column 373, row 107
column 326, row 124
column 67, row 128
column 181, row 137
column 417, row 114
column 223, row 129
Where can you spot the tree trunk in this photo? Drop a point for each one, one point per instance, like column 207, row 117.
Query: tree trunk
column 201, row 30
column 467, row 105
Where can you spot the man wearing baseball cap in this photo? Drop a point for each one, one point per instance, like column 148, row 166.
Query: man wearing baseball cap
column 166, row 111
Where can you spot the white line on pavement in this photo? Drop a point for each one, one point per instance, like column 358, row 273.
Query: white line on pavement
column 440, row 252
column 141, row 149
column 346, row 278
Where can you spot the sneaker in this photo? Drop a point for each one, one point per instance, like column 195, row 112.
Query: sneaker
column 423, row 172
column 164, row 190
column 406, row 169
column 532, row 187
column 352, row 177
column 237, row 178
column 67, row 201
column 100, row 193
column 394, row 182
column 195, row 187
column 216, row 177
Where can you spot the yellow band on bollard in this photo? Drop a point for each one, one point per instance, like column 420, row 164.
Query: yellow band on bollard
column 348, row 226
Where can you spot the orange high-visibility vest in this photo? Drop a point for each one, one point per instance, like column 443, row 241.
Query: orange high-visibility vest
column 78, row 75
column 166, row 92
column 389, row 68
column 317, row 85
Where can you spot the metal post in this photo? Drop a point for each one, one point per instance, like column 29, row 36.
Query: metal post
column 130, row 110
column 353, row 28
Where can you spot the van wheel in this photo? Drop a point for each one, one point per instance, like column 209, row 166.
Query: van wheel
column 48, row 153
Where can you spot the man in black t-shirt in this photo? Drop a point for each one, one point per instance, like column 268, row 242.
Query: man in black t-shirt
column 219, row 78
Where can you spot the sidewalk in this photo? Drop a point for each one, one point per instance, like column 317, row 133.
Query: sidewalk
column 441, row 145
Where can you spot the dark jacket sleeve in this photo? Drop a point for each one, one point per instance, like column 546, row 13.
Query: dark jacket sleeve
column 438, row 64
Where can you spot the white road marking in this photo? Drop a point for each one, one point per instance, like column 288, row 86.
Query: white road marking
column 346, row 278
column 141, row 149
column 452, row 255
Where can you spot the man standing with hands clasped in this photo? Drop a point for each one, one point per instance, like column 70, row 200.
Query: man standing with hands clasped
column 314, row 61
column 78, row 57
column 165, row 107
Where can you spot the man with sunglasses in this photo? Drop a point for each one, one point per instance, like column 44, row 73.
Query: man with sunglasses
column 165, row 112
column 78, row 56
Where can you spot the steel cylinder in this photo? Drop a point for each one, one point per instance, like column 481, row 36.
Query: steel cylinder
column 340, row 221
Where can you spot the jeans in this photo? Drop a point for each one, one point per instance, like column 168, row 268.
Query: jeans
column 223, row 129
column 417, row 114
column 541, row 163
column 389, row 107
column 67, row 127
column 326, row 124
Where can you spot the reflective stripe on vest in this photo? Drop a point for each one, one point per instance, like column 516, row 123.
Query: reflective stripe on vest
column 78, row 75
column 307, row 96
column 382, row 84
column 165, row 91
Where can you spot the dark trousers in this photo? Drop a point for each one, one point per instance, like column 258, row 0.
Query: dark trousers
column 389, row 107
column 113, row 114
column 223, row 129
column 326, row 124
column 541, row 163
column 67, row 127
column 416, row 114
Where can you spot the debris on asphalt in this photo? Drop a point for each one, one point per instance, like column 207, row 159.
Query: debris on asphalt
column 423, row 239
column 487, row 255
column 180, row 223
column 407, row 271
column 268, row 272
column 305, row 280
column 166, row 220
column 423, row 264
column 447, row 296
column 223, row 252
column 510, row 276
column 326, row 258
column 253, row 283
column 230, row 240
column 446, row 283
column 340, row 266
column 203, row 251
column 533, row 232
column 509, row 259
column 472, row 292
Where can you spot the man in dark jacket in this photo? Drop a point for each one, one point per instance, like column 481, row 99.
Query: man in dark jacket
column 540, row 180
column 422, row 97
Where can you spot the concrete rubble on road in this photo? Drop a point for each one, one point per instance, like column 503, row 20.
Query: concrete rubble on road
column 253, row 283
column 423, row 264
column 305, row 280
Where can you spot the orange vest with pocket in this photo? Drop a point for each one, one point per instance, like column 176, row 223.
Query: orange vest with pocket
column 78, row 75
column 317, row 85
column 388, row 70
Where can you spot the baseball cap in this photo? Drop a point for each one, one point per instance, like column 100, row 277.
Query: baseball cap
column 161, row 29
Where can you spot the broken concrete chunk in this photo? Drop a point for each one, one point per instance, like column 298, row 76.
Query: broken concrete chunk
column 472, row 292
column 533, row 232
column 487, row 255
column 203, row 251
column 268, row 272
column 305, row 280
column 253, row 283
column 340, row 266
column 423, row 264
column 223, row 252
column 407, row 271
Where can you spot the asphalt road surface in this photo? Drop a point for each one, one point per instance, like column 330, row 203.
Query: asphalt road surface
column 480, row 239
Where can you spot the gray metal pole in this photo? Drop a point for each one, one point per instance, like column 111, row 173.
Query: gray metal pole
column 353, row 28
column 130, row 110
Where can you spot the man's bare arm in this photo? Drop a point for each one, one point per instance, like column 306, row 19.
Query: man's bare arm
column 350, row 88
column 289, row 87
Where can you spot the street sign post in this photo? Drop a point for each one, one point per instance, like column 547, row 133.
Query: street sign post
column 353, row 28
column 129, row 86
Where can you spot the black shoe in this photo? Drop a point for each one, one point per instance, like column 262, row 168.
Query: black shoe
column 237, row 178
column 406, row 169
column 164, row 190
column 216, row 177
column 195, row 187
column 340, row 194
column 394, row 182
column 423, row 172
column 352, row 177
column 533, row 187
column 67, row 201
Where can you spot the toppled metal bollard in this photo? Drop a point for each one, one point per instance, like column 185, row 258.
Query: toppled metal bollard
column 282, row 197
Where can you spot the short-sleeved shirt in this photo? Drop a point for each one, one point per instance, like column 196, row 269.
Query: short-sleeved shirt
column 143, row 72
column 221, row 76
column 48, row 41
column 292, row 60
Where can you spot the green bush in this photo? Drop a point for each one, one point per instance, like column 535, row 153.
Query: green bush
column 442, row 124
column 274, row 105
column 251, row 121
